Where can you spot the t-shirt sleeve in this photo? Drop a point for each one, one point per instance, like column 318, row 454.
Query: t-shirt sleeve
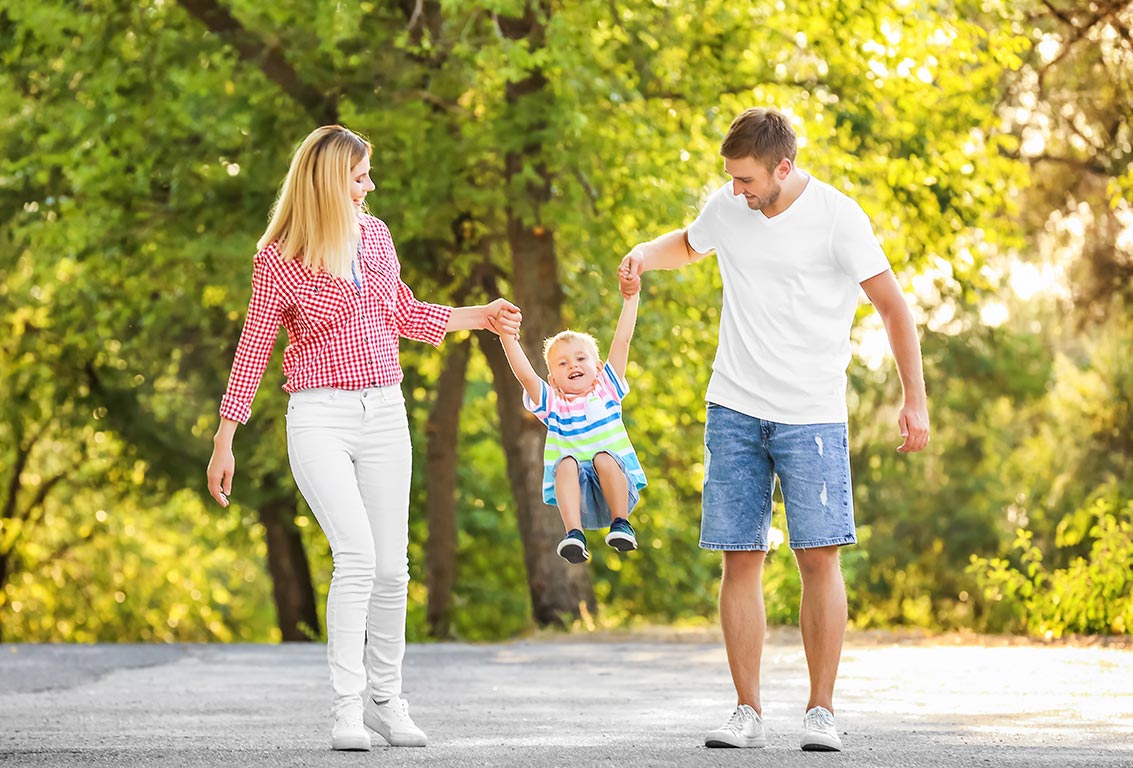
column 546, row 404
column 854, row 245
column 703, row 232
column 615, row 385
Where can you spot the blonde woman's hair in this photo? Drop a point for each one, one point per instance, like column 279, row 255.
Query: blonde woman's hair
column 314, row 220
column 584, row 338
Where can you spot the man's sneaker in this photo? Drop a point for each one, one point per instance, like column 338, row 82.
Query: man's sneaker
column 347, row 731
column 392, row 722
column 621, row 536
column 819, row 733
column 743, row 729
column 573, row 547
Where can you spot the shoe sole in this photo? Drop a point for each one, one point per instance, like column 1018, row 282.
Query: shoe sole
column 355, row 744
column 621, row 542
column 748, row 744
column 818, row 746
column 573, row 552
column 403, row 743
column 398, row 742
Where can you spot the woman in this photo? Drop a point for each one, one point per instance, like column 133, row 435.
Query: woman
column 327, row 271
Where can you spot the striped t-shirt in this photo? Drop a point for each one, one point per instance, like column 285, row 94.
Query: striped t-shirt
column 584, row 426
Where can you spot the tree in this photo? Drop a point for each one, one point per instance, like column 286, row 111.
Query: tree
column 1072, row 110
column 520, row 148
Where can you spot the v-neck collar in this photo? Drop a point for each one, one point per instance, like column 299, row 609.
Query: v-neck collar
column 786, row 212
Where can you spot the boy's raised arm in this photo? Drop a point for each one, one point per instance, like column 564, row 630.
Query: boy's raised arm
column 521, row 366
column 619, row 348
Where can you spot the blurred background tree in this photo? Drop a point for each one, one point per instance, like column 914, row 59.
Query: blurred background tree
column 521, row 148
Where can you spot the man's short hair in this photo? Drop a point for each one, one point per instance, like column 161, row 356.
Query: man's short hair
column 763, row 133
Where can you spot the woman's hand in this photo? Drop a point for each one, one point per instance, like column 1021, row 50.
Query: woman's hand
column 222, row 466
column 503, row 318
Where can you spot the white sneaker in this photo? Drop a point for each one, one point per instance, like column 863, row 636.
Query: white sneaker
column 819, row 733
column 743, row 729
column 347, row 731
column 393, row 723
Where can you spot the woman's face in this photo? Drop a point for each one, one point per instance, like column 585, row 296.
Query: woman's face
column 360, row 183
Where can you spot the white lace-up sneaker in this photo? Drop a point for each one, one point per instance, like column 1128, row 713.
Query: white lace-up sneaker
column 743, row 729
column 347, row 731
column 393, row 723
column 819, row 733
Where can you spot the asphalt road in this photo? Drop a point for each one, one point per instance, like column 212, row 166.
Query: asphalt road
column 571, row 701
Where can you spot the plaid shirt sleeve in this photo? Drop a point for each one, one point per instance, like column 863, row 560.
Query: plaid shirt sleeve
column 417, row 320
column 253, row 351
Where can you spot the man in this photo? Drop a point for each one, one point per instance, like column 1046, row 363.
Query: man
column 792, row 252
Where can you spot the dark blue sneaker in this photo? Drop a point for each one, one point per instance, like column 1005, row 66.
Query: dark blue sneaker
column 621, row 536
column 573, row 547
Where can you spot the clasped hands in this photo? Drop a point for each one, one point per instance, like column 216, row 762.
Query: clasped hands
column 505, row 319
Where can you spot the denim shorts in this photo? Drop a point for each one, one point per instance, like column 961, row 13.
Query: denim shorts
column 595, row 510
column 742, row 457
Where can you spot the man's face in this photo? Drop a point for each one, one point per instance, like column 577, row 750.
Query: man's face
column 759, row 186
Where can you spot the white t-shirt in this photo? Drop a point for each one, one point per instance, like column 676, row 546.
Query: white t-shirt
column 791, row 287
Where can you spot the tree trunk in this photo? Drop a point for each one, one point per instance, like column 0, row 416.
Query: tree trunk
column 443, row 432
column 290, row 573
column 3, row 582
column 558, row 590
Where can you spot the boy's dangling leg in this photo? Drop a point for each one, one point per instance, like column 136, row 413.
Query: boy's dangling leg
column 568, row 493
column 615, row 489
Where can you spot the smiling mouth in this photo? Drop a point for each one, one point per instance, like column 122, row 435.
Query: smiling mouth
column 575, row 375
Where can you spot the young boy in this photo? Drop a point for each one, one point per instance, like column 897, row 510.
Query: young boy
column 591, row 472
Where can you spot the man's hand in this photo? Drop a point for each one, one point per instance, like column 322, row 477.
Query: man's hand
column 628, row 285
column 913, row 423
column 634, row 262
column 629, row 273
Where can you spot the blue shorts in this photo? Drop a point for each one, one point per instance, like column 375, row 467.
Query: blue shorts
column 595, row 510
column 742, row 457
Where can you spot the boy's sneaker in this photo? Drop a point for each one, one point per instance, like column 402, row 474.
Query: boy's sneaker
column 743, row 729
column 347, row 731
column 392, row 722
column 819, row 733
column 573, row 547
column 621, row 536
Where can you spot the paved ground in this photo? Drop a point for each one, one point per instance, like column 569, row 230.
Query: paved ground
column 566, row 701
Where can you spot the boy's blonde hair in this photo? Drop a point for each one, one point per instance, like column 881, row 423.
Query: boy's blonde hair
column 584, row 338
column 314, row 219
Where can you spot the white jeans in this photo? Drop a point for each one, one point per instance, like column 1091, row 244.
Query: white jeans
column 350, row 455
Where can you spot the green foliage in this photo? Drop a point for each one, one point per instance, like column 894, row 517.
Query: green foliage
column 1091, row 595
column 1068, row 569
column 140, row 155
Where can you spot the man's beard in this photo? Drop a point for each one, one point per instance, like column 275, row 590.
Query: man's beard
column 759, row 203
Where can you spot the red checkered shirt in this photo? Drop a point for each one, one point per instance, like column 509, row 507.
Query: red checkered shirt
column 337, row 335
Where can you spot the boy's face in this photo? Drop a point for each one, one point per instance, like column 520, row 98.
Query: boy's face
column 572, row 367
